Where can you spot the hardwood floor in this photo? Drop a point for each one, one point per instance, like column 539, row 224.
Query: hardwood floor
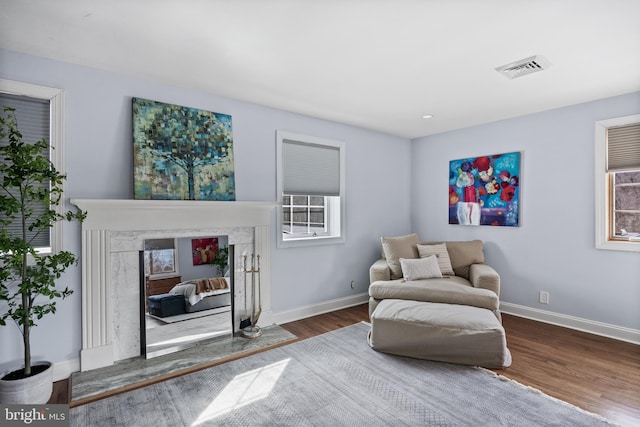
column 595, row 373
column 598, row 374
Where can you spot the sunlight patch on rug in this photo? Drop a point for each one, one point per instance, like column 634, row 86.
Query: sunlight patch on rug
column 243, row 390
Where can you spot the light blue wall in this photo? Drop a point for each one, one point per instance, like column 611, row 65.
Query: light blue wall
column 553, row 249
column 99, row 165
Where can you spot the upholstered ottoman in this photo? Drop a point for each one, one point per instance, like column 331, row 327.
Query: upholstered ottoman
column 442, row 332
column 166, row 305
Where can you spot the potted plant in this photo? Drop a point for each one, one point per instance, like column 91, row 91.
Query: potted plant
column 222, row 260
column 28, row 288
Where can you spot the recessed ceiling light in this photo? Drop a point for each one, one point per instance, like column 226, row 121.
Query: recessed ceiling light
column 427, row 116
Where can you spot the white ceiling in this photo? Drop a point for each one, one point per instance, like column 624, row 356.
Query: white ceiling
column 375, row 64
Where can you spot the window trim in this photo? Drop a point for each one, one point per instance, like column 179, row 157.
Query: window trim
column 56, row 141
column 604, row 239
column 339, row 236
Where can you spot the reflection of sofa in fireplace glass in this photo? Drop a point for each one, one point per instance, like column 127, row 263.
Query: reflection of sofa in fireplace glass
column 196, row 295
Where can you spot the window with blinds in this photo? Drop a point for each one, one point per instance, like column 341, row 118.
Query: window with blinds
column 623, row 167
column 33, row 117
column 618, row 183
column 310, row 174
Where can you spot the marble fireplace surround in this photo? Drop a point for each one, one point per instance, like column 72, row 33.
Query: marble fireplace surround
column 112, row 236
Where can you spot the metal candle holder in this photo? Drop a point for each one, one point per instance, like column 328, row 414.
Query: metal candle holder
column 252, row 270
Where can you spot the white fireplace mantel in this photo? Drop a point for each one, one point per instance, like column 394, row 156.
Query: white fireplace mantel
column 113, row 233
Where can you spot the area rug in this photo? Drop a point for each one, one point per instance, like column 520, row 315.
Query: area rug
column 334, row 379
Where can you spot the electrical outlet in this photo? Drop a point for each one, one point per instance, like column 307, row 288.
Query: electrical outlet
column 544, row 297
column 353, row 284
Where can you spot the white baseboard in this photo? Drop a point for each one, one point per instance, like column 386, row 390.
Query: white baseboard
column 63, row 370
column 321, row 308
column 577, row 323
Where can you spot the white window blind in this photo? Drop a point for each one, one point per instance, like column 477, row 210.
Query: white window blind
column 623, row 148
column 33, row 117
column 310, row 169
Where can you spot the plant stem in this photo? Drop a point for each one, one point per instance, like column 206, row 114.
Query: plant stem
column 26, row 301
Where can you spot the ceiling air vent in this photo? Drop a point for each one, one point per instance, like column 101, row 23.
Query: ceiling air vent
column 530, row 65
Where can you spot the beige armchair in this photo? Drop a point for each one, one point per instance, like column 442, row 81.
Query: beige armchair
column 437, row 301
column 465, row 280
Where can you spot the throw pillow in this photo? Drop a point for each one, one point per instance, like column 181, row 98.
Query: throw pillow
column 421, row 268
column 463, row 254
column 442, row 255
column 399, row 247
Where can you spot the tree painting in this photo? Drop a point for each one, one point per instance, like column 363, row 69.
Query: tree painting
column 181, row 153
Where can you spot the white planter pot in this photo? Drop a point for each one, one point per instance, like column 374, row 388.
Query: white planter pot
column 34, row 390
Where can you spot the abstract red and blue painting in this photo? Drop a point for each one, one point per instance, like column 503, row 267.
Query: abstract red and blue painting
column 485, row 190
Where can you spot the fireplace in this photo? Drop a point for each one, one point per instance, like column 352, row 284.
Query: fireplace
column 113, row 235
